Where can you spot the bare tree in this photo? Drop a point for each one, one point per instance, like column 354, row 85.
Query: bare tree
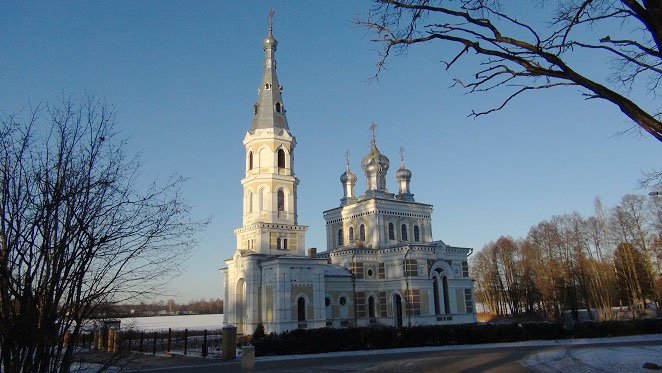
column 519, row 56
column 75, row 231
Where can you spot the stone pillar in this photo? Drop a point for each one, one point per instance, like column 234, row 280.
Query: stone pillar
column 229, row 342
column 111, row 340
column 117, row 341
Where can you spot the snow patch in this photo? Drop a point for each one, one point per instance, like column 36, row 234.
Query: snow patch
column 595, row 359
column 180, row 322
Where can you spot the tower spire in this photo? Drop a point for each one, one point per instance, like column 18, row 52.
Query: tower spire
column 269, row 111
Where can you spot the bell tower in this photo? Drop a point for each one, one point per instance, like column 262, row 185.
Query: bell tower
column 269, row 224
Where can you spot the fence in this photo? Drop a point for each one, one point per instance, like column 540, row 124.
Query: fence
column 180, row 342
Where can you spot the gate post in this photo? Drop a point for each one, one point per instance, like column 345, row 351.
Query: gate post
column 229, row 342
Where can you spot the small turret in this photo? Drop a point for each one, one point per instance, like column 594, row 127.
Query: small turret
column 403, row 177
column 348, row 180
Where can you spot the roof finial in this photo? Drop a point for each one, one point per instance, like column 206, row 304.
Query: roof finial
column 373, row 127
column 347, row 158
column 402, row 156
column 270, row 19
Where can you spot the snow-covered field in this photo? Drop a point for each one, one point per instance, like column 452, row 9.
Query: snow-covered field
column 181, row 322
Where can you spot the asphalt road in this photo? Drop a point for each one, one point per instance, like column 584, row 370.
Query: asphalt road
column 464, row 360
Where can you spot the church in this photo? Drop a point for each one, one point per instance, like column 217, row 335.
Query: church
column 381, row 267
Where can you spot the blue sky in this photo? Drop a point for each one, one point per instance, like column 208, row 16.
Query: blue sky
column 183, row 77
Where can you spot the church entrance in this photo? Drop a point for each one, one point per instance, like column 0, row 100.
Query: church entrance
column 397, row 310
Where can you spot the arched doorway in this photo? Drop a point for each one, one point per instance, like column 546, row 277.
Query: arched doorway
column 397, row 310
column 240, row 304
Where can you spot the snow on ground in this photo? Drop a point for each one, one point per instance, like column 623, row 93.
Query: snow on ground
column 595, row 359
column 180, row 322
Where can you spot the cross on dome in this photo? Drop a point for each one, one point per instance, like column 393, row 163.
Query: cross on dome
column 373, row 128
column 270, row 18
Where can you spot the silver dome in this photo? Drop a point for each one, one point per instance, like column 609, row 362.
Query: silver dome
column 377, row 157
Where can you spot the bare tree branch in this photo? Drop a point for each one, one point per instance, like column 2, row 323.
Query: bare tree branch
column 481, row 26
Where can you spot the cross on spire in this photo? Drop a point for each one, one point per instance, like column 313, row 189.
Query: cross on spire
column 347, row 157
column 270, row 18
column 373, row 128
column 402, row 155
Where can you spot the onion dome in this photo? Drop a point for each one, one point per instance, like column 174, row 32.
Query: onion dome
column 348, row 176
column 270, row 42
column 376, row 157
column 402, row 173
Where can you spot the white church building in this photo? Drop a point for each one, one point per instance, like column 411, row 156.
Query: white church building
column 382, row 265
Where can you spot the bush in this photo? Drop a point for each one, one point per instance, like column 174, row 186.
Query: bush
column 384, row 337
column 258, row 334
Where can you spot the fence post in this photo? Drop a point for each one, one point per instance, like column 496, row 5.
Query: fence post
column 185, row 341
column 154, row 345
column 142, row 338
column 169, row 339
column 204, row 345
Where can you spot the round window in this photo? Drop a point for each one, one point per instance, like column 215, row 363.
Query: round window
column 343, row 301
column 327, row 302
column 370, row 273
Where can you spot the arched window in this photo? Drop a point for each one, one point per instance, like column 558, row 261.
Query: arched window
column 278, row 107
column 281, row 158
column 371, row 307
column 340, row 238
column 417, row 234
column 404, row 232
column 250, row 160
column 391, row 231
column 281, row 200
column 351, row 234
column 435, row 293
column 267, row 86
column 362, row 232
column 301, row 309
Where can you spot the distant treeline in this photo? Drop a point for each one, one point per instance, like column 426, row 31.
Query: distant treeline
column 571, row 262
column 161, row 308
